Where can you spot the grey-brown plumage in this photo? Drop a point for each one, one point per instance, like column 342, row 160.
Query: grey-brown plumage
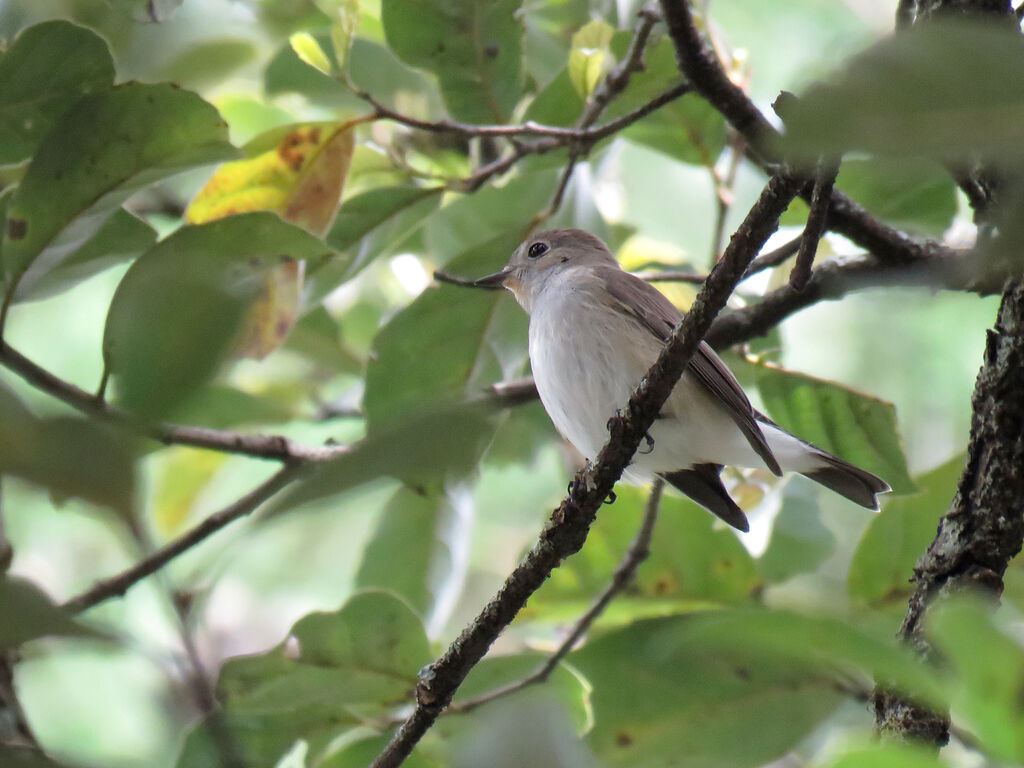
column 594, row 332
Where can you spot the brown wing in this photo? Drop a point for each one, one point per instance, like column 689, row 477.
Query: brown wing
column 648, row 305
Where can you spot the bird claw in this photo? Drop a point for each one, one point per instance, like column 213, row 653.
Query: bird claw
column 611, row 498
column 650, row 445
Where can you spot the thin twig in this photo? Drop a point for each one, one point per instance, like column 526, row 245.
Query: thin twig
column 724, row 194
column 116, row 586
column 567, row 528
column 638, row 551
column 821, row 199
column 229, row 753
column 275, row 447
column 699, row 64
column 774, row 258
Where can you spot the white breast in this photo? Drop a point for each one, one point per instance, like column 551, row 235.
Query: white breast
column 586, row 361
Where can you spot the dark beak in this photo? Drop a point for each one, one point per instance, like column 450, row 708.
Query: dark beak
column 495, row 281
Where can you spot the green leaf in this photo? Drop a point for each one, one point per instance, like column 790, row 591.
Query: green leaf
column 47, row 69
column 945, row 90
column 122, row 237
column 71, row 457
column 475, row 47
column 447, row 345
column 335, row 671
column 410, row 531
column 883, row 562
column 372, row 225
column 496, row 672
column 108, row 146
column 693, row 564
column 889, row 755
column 26, row 757
column 27, row 613
column 346, row 15
column 986, row 670
column 590, row 57
column 688, row 685
column 308, row 49
column 423, row 450
column 688, row 129
column 799, row 542
column 854, row 426
column 178, row 312
column 911, row 194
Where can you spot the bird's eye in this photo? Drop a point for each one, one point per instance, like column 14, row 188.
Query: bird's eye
column 537, row 250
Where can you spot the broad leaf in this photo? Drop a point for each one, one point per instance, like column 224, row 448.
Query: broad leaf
column 883, row 562
column 70, row 457
column 372, row 225
column 985, row 663
column 590, row 57
column 889, row 755
column 856, row 427
column 301, row 177
column 693, row 563
column 178, row 313
column 448, row 344
column 109, row 145
column 424, row 450
column 799, row 543
column 474, row 46
column 688, row 685
column 335, row 671
column 27, row 613
column 946, row 90
column 122, row 238
column 47, row 68
column 911, row 194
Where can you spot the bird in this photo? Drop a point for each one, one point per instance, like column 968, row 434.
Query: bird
column 595, row 330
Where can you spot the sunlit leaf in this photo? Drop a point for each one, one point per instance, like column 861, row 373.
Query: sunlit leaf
column 590, row 57
column 27, row 613
column 46, row 69
column 856, row 427
column 300, row 176
column 308, row 49
column 184, row 473
column 474, row 46
column 106, row 147
column 883, row 562
column 209, row 63
column 946, row 90
column 179, row 311
column 345, row 23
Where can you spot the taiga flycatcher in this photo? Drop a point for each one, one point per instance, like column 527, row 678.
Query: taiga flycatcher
column 595, row 330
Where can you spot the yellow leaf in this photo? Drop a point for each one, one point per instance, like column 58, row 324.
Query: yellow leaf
column 300, row 177
column 308, row 49
column 183, row 474
column 590, row 57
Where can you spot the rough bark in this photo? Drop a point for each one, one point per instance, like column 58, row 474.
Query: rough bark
column 984, row 527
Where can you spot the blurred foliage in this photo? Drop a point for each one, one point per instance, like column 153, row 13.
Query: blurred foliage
column 187, row 184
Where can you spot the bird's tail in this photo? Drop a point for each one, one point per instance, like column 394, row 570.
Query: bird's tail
column 839, row 475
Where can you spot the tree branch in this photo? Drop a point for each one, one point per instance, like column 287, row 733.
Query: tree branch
column 698, row 62
column 638, row 551
column 116, row 586
column 567, row 529
column 984, row 527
